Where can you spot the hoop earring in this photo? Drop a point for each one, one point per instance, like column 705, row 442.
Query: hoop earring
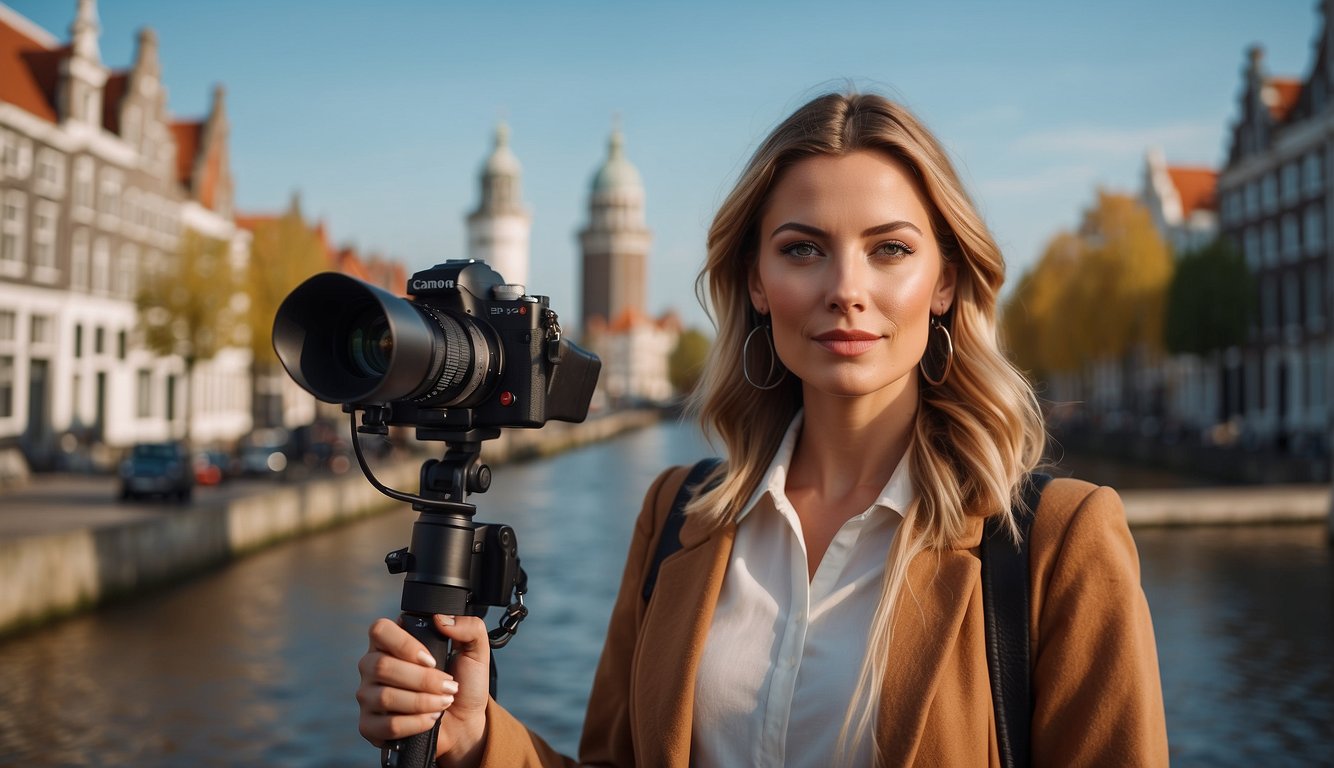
column 774, row 363
column 936, row 381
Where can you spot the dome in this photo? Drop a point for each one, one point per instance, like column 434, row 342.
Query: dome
column 502, row 161
column 617, row 174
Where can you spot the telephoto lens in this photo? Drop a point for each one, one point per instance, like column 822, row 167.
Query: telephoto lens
column 346, row 341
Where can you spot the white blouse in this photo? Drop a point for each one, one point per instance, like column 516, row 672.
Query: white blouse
column 783, row 654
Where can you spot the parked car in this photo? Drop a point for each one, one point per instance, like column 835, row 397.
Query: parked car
column 157, row 469
column 212, row 467
column 266, row 453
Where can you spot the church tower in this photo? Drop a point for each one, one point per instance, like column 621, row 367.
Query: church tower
column 498, row 230
column 615, row 243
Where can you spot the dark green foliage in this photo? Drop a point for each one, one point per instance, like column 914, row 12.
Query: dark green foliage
column 1210, row 301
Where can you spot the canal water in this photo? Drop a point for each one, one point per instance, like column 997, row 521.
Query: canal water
column 254, row 664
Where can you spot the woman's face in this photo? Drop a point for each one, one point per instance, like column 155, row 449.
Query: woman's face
column 850, row 273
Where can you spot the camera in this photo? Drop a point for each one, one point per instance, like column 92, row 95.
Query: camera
column 468, row 350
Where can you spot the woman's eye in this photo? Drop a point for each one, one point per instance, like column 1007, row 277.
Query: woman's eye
column 893, row 249
column 801, row 250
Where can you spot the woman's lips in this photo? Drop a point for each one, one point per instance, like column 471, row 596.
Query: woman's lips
column 847, row 343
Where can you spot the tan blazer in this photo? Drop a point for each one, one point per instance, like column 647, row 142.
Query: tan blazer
column 1098, row 700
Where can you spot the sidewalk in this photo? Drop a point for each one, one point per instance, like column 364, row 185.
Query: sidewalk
column 1228, row 505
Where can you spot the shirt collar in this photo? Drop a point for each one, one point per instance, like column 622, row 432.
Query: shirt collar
column 896, row 495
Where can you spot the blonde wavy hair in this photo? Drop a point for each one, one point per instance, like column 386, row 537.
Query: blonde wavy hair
column 974, row 437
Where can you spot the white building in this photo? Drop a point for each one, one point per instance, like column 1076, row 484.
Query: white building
column 1183, row 203
column 97, row 184
column 498, row 231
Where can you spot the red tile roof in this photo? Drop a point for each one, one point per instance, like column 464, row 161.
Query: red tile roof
column 30, row 71
column 111, row 96
column 1280, row 95
column 1196, row 187
column 188, row 136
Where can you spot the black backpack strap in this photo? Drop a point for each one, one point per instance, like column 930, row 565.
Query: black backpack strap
column 670, row 539
column 1005, row 609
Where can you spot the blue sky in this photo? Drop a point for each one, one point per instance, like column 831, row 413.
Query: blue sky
column 381, row 114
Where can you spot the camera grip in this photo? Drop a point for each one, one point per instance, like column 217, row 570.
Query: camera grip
column 418, row 751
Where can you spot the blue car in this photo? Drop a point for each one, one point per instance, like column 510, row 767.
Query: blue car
column 157, row 469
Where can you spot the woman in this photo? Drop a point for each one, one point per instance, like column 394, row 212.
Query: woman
column 826, row 603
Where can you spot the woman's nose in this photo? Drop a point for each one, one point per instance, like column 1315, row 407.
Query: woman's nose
column 847, row 286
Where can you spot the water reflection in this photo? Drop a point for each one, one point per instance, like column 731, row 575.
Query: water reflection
column 255, row 663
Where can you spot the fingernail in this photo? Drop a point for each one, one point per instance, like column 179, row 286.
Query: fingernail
column 445, row 701
column 445, row 621
column 436, row 715
column 426, row 658
column 450, row 687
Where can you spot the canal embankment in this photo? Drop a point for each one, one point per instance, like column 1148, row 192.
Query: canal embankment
column 53, row 570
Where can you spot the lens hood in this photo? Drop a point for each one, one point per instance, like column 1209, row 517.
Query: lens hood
column 313, row 332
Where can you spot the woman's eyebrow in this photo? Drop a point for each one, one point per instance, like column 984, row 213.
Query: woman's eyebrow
column 794, row 226
column 892, row 226
column 879, row 229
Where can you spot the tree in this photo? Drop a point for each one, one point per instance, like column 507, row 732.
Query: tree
column 1095, row 294
column 1210, row 301
column 283, row 252
column 188, row 306
column 686, row 362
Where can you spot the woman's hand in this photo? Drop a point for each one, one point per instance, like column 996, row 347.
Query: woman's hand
column 403, row 694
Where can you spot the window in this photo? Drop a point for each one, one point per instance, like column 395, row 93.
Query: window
column 171, row 398
column 1269, row 191
column 40, row 333
column 11, row 233
column 1252, row 198
column 1315, row 305
column 1313, row 176
column 8, row 324
column 108, row 200
column 101, row 265
column 124, row 274
column 1291, row 301
column 17, row 159
column 44, row 241
column 1270, row 248
column 121, row 344
column 78, row 260
column 6, row 386
column 1292, row 237
column 78, row 340
column 83, row 184
column 50, row 179
column 1268, row 304
column 99, row 340
column 1315, row 229
column 145, row 392
column 1315, row 374
column 1252, row 248
column 1291, row 182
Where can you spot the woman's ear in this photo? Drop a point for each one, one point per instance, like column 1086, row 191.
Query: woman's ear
column 944, row 295
column 758, row 299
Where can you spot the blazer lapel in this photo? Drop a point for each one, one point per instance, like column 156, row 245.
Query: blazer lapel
column 926, row 631
column 671, row 640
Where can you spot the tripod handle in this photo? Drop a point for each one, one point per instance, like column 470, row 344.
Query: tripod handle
column 418, row 751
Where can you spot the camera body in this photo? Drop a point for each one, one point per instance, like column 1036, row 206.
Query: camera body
column 466, row 351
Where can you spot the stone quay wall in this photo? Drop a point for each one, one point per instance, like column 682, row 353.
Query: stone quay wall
column 46, row 576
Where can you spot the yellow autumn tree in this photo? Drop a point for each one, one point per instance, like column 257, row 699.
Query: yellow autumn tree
column 1119, row 298
column 1095, row 294
column 284, row 251
column 187, row 305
